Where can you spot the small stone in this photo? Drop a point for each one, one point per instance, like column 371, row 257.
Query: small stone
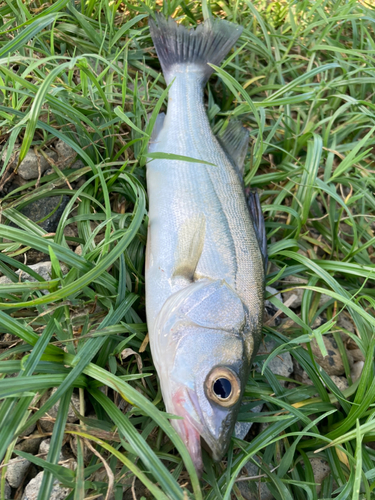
column 87, row 453
column 255, row 489
column 46, row 424
column 241, row 429
column 71, row 232
column 71, row 415
column 323, row 300
column 78, row 250
column 320, row 470
column 16, row 471
column 32, row 489
column 341, row 382
column 292, row 281
column 78, row 164
column 29, row 445
column 332, row 363
column 33, row 257
column 357, row 355
column 356, row 370
column 44, row 269
column 269, row 309
column 342, row 321
column 30, row 165
column 282, row 364
column 80, row 183
column 66, row 153
column 46, row 212
column 29, row 430
column 44, row 449
column 7, row 491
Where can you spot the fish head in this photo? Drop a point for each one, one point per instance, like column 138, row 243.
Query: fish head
column 203, row 364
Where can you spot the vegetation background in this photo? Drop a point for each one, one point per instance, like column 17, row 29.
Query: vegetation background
column 85, row 72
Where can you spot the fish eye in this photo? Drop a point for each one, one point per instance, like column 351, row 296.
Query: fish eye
column 223, row 386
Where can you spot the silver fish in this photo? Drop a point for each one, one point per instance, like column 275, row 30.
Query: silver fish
column 204, row 267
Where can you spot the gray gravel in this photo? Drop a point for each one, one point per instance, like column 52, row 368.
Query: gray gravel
column 16, row 471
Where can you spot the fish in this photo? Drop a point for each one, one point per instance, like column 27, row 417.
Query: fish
column 204, row 270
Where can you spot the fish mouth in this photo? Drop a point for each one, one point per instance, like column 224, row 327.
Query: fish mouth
column 191, row 429
column 187, row 428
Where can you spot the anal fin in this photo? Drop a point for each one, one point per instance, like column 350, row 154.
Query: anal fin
column 235, row 142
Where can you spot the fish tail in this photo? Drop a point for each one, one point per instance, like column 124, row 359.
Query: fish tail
column 209, row 42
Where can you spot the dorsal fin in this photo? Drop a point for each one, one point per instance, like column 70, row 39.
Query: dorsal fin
column 255, row 209
column 189, row 247
column 235, row 142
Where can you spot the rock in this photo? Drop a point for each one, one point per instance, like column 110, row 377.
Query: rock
column 78, row 164
column 356, row 370
column 39, row 210
column 282, row 364
column 269, row 309
column 320, row 470
column 140, row 491
column 33, row 257
column 87, row 453
column 32, row 489
column 255, row 489
column 44, row 449
column 289, row 282
column 332, row 363
column 357, row 355
column 44, row 269
column 78, row 250
column 323, row 300
column 46, row 424
column 66, row 459
column 65, row 153
column 29, row 445
column 341, row 382
column 7, row 491
column 71, row 232
column 241, row 429
column 273, row 291
column 342, row 321
column 16, row 471
column 29, row 167
column 28, row 431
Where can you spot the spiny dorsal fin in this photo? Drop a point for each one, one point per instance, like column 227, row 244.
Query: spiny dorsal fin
column 235, row 142
column 189, row 247
column 257, row 217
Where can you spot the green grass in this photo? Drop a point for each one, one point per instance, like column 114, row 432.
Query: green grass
column 302, row 80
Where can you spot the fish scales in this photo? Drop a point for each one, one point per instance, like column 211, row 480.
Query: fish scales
column 204, row 268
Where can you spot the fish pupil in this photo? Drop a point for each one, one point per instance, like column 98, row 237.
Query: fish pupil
column 222, row 388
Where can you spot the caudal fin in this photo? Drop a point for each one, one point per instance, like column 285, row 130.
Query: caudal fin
column 209, row 42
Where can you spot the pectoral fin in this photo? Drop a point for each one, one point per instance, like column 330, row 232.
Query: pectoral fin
column 235, row 142
column 189, row 247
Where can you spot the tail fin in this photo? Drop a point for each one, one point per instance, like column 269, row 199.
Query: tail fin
column 208, row 43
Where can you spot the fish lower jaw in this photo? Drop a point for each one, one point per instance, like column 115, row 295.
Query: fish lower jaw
column 192, row 440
